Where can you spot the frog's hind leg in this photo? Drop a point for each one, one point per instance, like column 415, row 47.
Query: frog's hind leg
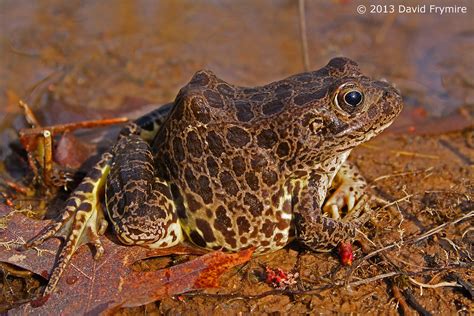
column 82, row 221
column 347, row 193
column 139, row 204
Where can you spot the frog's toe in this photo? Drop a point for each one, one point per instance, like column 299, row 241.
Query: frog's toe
column 347, row 192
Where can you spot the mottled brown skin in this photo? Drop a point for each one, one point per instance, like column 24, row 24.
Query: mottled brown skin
column 238, row 167
column 240, row 163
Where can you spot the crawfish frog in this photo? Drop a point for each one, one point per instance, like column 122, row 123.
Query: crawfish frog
column 230, row 167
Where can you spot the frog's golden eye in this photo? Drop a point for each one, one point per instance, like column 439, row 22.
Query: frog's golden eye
column 349, row 98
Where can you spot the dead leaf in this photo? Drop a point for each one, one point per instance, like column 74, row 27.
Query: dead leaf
column 72, row 152
column 93, row 286
column 202, row 272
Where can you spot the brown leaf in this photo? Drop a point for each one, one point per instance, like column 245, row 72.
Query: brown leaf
column 203, row 272
column 15, row 229
column 72, row 152
column 93, row 286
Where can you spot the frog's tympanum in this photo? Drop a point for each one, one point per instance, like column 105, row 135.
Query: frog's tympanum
column 230, row 168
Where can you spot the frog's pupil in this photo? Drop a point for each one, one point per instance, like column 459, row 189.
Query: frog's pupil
column 353, row 98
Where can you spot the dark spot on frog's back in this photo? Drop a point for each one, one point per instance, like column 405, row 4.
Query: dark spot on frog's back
column 205, row 190
column 192, row 203
column 199, row 110
column 259, row 96
column 272, row 107
column 254, row 204
column 228, row 183
column 206, row 230
column 283, row 89
column 306, row 98
column 252, row 181
column 212, row 166
column 267, row 138
column 343, row 64
column 214, row 99
column 226, row 90
column 258, row 162
column 215, row 143
column 267, row 228
column 243, row 225
column 269, row 177
column 283, row 149
column 238, row 165
column 178, row 150
column 201, row 78
column 244, row 111
column 191, row 180
column 237, row 137
column 194, row 144
column 222, row 221
column 337, row 62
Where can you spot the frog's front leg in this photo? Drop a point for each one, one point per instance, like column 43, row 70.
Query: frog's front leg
column 314, row 229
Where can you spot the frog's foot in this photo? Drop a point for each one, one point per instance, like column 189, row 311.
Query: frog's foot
column 82, row 221
column 347, row 199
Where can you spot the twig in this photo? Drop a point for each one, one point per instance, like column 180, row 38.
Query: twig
column 406, row 197
column 412, row 154
column 375, row 278
column 433, row 286
column 15, row 186
column 304, row 38
column 414, row 303
column 400, row 299
column 61, row 128
column 29, row 115
column 400, row 174
column 402, row 152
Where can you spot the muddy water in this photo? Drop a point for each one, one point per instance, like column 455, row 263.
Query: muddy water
column 79, row 59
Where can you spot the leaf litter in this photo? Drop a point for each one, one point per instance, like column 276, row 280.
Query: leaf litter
column 90, row 286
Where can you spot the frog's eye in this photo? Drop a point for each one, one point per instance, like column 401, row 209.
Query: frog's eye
column 349, row 98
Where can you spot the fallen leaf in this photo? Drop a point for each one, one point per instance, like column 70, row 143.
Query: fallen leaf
column 72, row 152
column 94, row 286
column 202, row 272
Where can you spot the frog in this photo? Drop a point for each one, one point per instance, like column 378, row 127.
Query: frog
column 230, row 168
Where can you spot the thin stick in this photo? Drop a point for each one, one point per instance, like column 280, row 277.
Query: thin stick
column 375, row 278
column 48, row 157
column 400, row 299
column 61, row 128
column 28, row 113
column 441, row 284
column 400, row 174
column 303, row 35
